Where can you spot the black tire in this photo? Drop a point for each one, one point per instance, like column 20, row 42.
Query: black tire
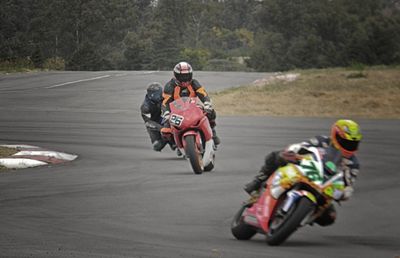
column 240, row 230
column 193, row 154
column 291, row 222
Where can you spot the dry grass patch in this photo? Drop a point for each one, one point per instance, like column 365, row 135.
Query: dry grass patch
column 6, row 152
column 370, row 93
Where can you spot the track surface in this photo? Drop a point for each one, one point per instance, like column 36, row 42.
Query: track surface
column 121, row 199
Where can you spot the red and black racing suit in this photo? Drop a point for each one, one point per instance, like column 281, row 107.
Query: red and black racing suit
column 173, row 90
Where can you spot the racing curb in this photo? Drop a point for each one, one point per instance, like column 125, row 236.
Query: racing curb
column 33, row 156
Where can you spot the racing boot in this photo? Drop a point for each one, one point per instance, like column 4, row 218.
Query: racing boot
column 172, row 146
column 159, row 145
column 252, row 186
column 216, row 139
column 255, row 185
column 328, row 217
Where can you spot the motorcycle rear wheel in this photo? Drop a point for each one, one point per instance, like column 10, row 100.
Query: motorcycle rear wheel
column 289, row 223
column 193, row 154
column 240, row 230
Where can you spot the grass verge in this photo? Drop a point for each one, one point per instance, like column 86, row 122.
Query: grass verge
column 6, row 152
column 373, row 92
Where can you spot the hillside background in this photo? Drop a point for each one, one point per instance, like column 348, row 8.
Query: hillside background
column 247, row 35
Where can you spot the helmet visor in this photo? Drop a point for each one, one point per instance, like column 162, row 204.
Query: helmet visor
column 183, row 77
column 347, row 144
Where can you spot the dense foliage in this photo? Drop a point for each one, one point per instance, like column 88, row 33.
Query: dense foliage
column 262, row 35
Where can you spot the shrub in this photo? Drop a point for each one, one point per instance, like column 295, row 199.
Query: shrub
column 54, row 63
column 16, row 65
column 359, row 69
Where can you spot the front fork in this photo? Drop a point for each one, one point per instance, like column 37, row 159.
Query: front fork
column 197, row 138
column 293, row 197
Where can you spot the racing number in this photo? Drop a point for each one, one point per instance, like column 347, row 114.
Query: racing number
column 312, row 172
column 313, row 175
column 176, row 120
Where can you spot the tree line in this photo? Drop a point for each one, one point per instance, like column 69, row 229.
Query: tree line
column 250, row 35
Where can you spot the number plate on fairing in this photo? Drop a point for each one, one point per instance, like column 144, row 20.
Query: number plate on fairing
column 176, row 120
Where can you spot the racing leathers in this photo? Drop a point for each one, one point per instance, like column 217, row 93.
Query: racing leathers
column 151, row 114
column 350, row 167
column 173, row 90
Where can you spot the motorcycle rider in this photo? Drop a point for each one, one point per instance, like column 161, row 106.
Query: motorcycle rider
column 151, row 114
column 345, row 137
column 183, row 85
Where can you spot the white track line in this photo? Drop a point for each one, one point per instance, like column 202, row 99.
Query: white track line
column 78, row 81
column 150, row 72
column 16, row 146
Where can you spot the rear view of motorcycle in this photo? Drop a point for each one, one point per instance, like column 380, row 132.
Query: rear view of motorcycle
column 192, row 133
column 294, row 195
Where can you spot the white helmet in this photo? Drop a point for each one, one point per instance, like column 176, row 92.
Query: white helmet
column 183, row 72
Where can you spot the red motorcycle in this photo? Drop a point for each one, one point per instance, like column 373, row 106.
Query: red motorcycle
column 192, row 133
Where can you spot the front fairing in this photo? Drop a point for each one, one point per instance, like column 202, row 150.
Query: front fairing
column 187, row 115
column 260, row 212
column 185, row 112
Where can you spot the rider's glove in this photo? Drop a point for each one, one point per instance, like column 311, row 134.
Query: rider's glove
column 347, row 193
column 343, row 195
column 208, row 107
column 165, row 115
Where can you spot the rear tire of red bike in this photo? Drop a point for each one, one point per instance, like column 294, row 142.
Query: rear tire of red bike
column 193, row 154
column 240, row 230
column 303, row 207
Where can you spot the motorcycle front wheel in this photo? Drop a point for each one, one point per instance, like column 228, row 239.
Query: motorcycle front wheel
column 194, row 155
column 282, row 225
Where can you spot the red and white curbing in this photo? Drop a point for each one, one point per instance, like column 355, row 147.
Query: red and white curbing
column 33, row 156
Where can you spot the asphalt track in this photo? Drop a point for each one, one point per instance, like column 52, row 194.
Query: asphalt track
column 121, row 199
